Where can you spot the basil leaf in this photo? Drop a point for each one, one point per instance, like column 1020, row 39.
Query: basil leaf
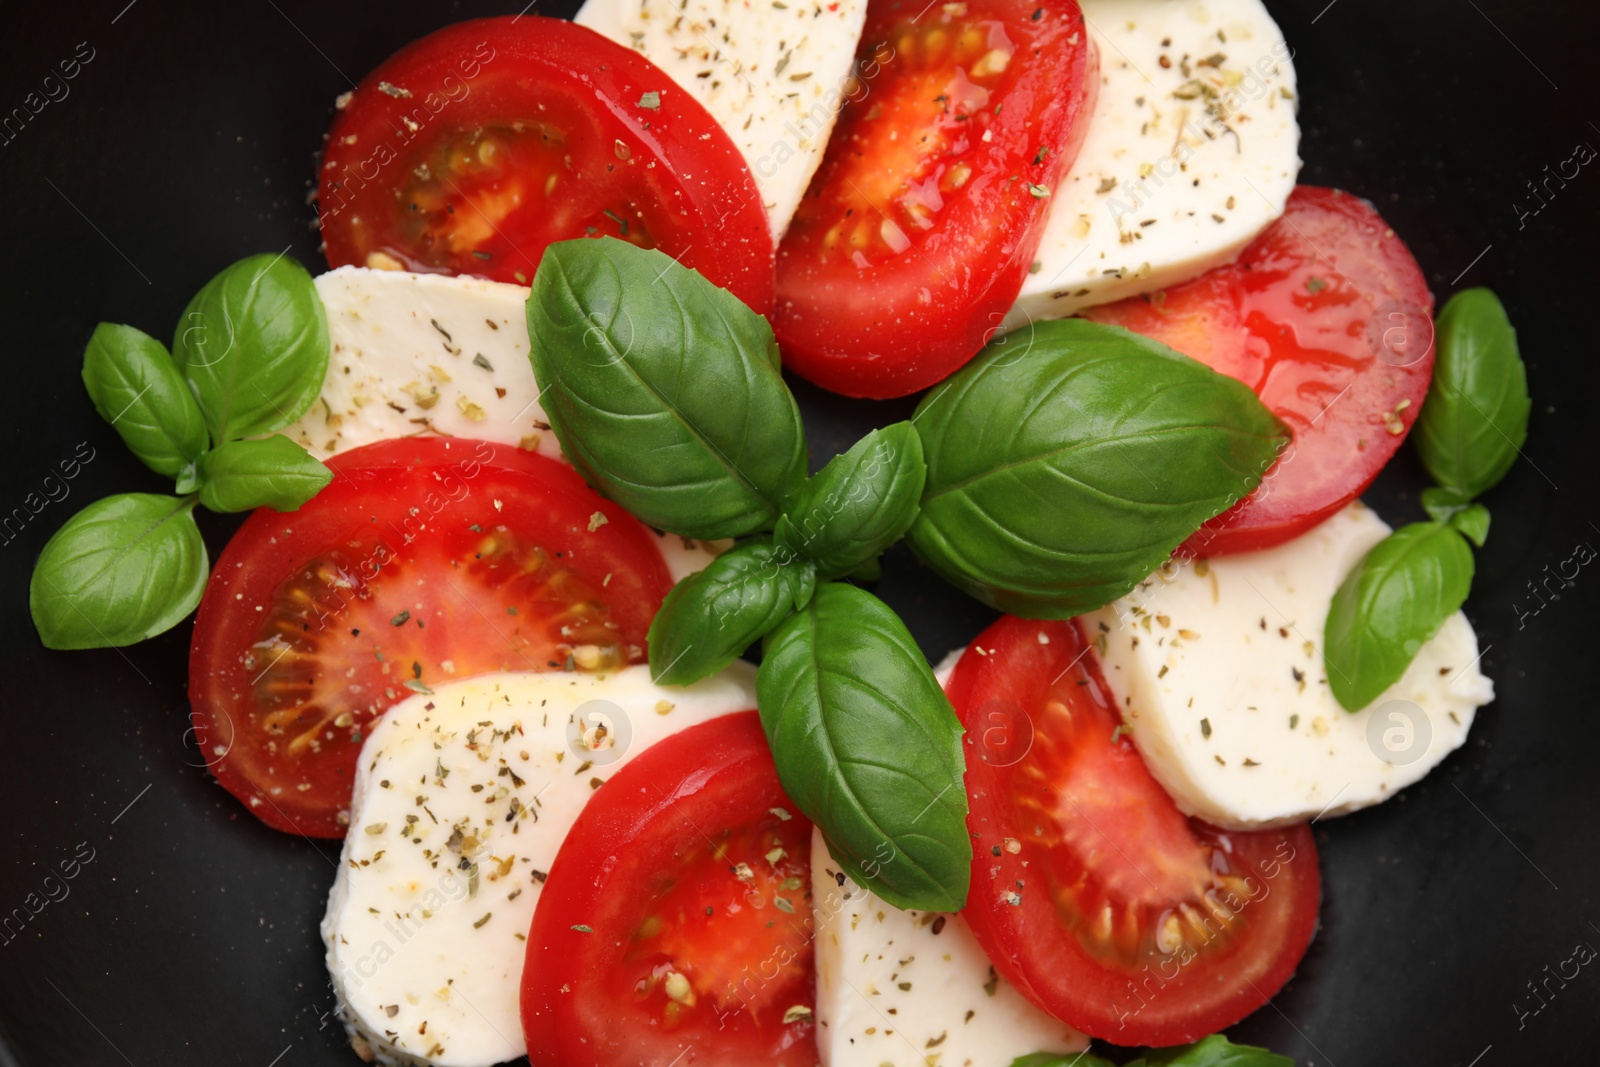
column 1213, row 1051
column 1060, row 478
column 254, row 345
column 1450, row 507
column 136, row 387
column 710, row 618
column 663, row 389
column 1054, row 1059
column 1392, row 602
column 862, row 502
column 270, row 472
column 123, row 569
column 1475, row 417
column 867, row 745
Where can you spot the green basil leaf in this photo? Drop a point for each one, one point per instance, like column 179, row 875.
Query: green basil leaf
column 1451, row 507
column 1056, row 1059
column 663, row 389
column 269, row 472
column 710, row 618
column 254, row 345
column 1213, row 1051
column 1475, row 417
column 123, row 569
column 136, row 387
column 867, row 745
column 1473, row 522
column 1063, row 473
column 859, row 504
column 1389, row 605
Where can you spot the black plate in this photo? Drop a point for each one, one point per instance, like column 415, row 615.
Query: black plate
column 188, row 140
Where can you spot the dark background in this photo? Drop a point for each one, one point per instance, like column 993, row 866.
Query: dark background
column 189, row 140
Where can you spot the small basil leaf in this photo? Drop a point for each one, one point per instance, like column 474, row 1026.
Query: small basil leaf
column 862, row 502
column 270, row 472
column 663, row 389
column 123, row 569
column 1058, row 478
column 136, row 387
column 1213, row 1051
column 1475, row 417
column 1450, row 507
column 254, row 345
column 710, row 618
column 1389, row 605
column 1473, row 522
column 867, row 745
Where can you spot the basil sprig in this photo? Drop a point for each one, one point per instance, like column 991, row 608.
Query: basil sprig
column 1046, row 484
column 663, row 389
column 1475, row 417
column 1472, row 427
column 872, row 746
column 1060, row 478
column 1213, row 1051
column 252, row 353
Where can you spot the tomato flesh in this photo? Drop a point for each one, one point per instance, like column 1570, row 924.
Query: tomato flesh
column 921, row 223
column 675, row 920
column 1091, row 892
column 472, row 149
column 1327, row 317
column 422, row 561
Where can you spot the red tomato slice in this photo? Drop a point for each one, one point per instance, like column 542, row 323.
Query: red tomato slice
column 675, row 923
column 424, row 560
column 1328, row 318
column 1092, row 893
column 920, row 226
column 470, row 150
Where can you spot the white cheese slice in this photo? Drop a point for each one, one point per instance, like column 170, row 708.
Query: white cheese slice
column 416, row 354
column 1217, row 668
column 1192, row 150
column 462, row 799
column 913, row 989
column 773, row 74
column 429, row 354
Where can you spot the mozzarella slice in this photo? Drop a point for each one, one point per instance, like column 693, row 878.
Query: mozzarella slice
column 462, row 798
column 913, row 989
column 1191, row 151
column 1217, row 668
column 420, row 354
column 423, row 353
column 773, row 74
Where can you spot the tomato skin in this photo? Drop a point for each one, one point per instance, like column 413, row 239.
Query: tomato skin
column 668, row 802
column 862, row 318
column 671, row 163
column 1342, row 351
column 1041, row 874
column 415, row 582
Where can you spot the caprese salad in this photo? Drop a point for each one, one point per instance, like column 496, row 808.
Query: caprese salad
column 526, row 482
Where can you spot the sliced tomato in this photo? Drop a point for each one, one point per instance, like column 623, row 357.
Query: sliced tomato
column 1328, row 318
column 470, row 150
column 674, row 926
column 424, row 560
column 1092, row 893
column 920, row 226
